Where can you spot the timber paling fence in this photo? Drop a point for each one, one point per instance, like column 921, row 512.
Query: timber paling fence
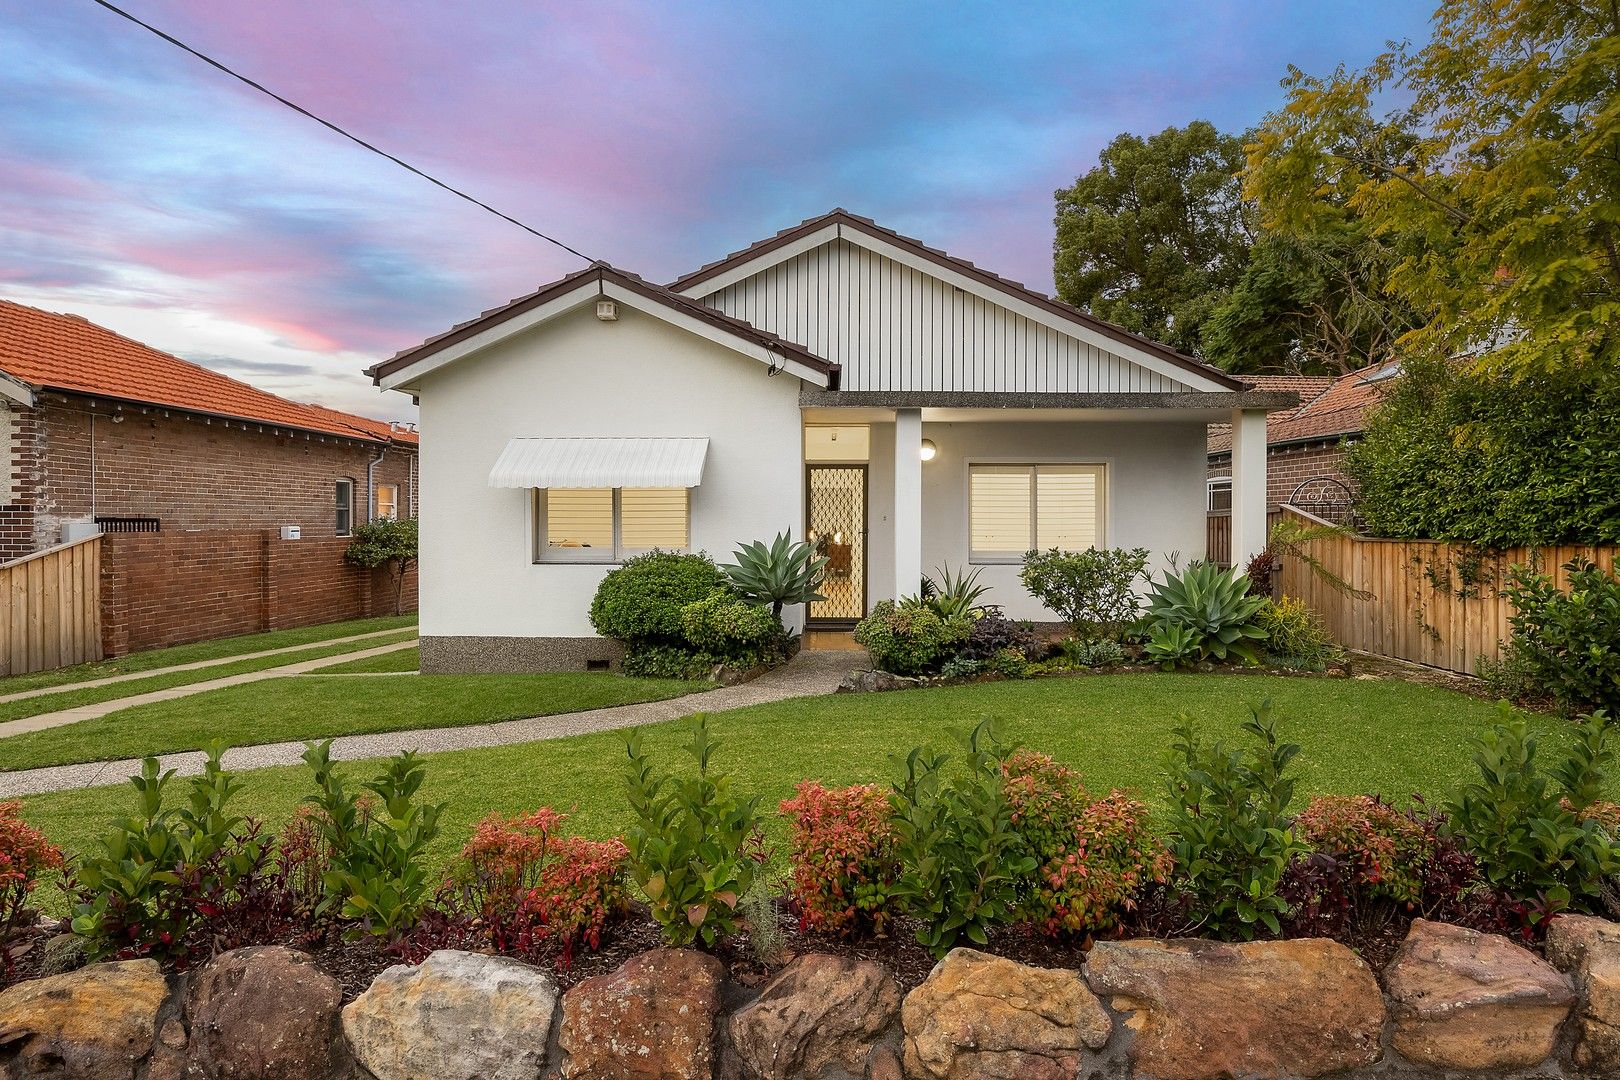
column 1428, row 602
column 50, row 608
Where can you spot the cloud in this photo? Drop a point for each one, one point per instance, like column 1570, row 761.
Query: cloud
column 136, row 181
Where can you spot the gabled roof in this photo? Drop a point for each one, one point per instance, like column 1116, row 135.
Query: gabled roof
column 1338, row 407
column 841, row 219
column 51, row 351
column 600, row 274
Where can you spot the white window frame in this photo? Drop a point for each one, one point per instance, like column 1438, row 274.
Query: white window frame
column 618, row 553
column 343, row 515
column 1214, row 484
column 1104, row 495
column 377, row 502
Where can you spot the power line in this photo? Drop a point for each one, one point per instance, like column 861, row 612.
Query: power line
column 295, row 107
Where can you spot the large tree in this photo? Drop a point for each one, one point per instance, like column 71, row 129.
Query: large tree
column 1496, row 182
column 1157, row 233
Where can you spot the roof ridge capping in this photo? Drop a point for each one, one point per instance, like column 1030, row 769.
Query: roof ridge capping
column 840, row 216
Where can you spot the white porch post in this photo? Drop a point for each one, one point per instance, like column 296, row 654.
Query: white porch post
column 1248, row 485
column 908, row 567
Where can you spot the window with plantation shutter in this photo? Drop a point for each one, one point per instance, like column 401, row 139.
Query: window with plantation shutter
column 1016, row 508
column 608, row 524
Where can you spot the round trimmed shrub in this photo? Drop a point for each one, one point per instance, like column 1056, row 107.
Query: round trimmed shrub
column 725, row 624
column 641, row 601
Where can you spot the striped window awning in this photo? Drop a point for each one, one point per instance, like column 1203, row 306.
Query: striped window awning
column 600, row 463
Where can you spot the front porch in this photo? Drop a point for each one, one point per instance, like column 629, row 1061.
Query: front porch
column 894, row 493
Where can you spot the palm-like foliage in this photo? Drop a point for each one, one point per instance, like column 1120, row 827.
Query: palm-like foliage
column 782, row 573
column 954, row 595
column 1214, row 605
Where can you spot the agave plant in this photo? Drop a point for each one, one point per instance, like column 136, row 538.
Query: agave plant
column 954, row 595
column 783, row 573
column 1214, row 606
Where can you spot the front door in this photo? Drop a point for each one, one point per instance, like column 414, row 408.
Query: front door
column 835, row 522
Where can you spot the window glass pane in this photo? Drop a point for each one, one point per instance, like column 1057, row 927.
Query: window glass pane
column 1068, row 512
column 343, row 500
column 999, row 506
column 1220, row 494
column 652, row 517
column 580, row 518
column 387, row 500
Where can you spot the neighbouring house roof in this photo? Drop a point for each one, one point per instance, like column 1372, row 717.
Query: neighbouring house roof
column 1330, row 408
column 51, row 351
column 842, row 220
column 600, row 273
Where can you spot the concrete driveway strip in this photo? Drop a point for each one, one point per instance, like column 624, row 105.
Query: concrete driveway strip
column 217, row 661
column 809, row 674
column 42, row 721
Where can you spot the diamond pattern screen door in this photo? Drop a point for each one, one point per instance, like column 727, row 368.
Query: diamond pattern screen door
column 836, row 524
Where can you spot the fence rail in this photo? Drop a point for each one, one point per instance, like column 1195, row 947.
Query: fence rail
column 50, row 608
column 1430, row 602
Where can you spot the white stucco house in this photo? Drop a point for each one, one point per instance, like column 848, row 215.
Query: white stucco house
column 904, row 409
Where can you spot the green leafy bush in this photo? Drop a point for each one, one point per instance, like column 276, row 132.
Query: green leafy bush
column 1229, row 828
column 1093, row 591
column 783, row 573
column 1091, row 855
column 389, row 542
column 962, row 860
column 139, row 895
column 910, row 638
column 376, row 874
column 1569, row 642
column 640, row 603
column 1092, row 653
column 1511, row 676
column 725, row 625
column 695, row 847
column 1526, row 823
column 1211, row 605
column 1296, row 635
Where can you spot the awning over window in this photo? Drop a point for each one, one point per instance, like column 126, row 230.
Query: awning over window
column 600, row 463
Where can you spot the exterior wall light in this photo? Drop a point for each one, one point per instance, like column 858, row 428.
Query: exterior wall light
column 929, row 449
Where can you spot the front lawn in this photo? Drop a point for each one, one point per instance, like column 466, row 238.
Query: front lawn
column 313, row 707
column 1375, row 736
column 398, row 660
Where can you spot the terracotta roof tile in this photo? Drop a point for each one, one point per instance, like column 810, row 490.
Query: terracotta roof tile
column 1329, row 407
column 68, row 352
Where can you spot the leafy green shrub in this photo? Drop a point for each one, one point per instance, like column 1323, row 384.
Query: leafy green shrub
column 1295, row 634
column 962, row 860
column 1569, row 641
column 140, row 895
column 1212, row 604
column 389, row 542
column 694, row 845
column 843, row 858
column 1511, row 676
column 1173, row 645
column 784, row 573
column 1093, row 591
column 724, row 625
column 1380, row 851
column 1526, row 823
column 1009, row 663
column 1229, row 834
column 909, row 638
column 1091, row 855
column 640, row 603
column 962, row 667
column 1092, row 653
column 375, row 846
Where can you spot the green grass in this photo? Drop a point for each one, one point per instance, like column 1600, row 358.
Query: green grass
column 399, row 660
column 1387, row 737
column 90, row 695
column 298, row 707
column 202, row 650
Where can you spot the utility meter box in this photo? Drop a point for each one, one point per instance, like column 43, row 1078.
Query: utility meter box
column 292, row 532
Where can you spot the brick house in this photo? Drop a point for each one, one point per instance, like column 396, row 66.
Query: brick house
column 1305, row 444
column 191, row 473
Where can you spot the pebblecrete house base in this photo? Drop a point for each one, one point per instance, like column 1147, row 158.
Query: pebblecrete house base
column 477, row 655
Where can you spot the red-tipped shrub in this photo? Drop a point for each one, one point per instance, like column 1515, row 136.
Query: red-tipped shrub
column 1381, row 851
column 844, row 863
column 1093, row 855
column 24, row 855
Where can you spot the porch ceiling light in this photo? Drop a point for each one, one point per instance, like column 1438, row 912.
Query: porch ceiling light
column 929, row 449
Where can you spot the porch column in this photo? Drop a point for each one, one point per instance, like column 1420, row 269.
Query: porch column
column 908, row 568
column 1248, row 485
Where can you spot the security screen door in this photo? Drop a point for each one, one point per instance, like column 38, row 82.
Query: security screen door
column 835, row 522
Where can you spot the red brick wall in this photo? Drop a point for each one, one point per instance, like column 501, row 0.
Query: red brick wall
column 161, row 589
column 19, row 459
column 191, row 473
column 1289, row 466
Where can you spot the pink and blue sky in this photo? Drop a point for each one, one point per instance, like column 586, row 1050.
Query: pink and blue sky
column 156, row 196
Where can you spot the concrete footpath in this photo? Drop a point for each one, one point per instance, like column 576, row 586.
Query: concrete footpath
column 809, row 674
